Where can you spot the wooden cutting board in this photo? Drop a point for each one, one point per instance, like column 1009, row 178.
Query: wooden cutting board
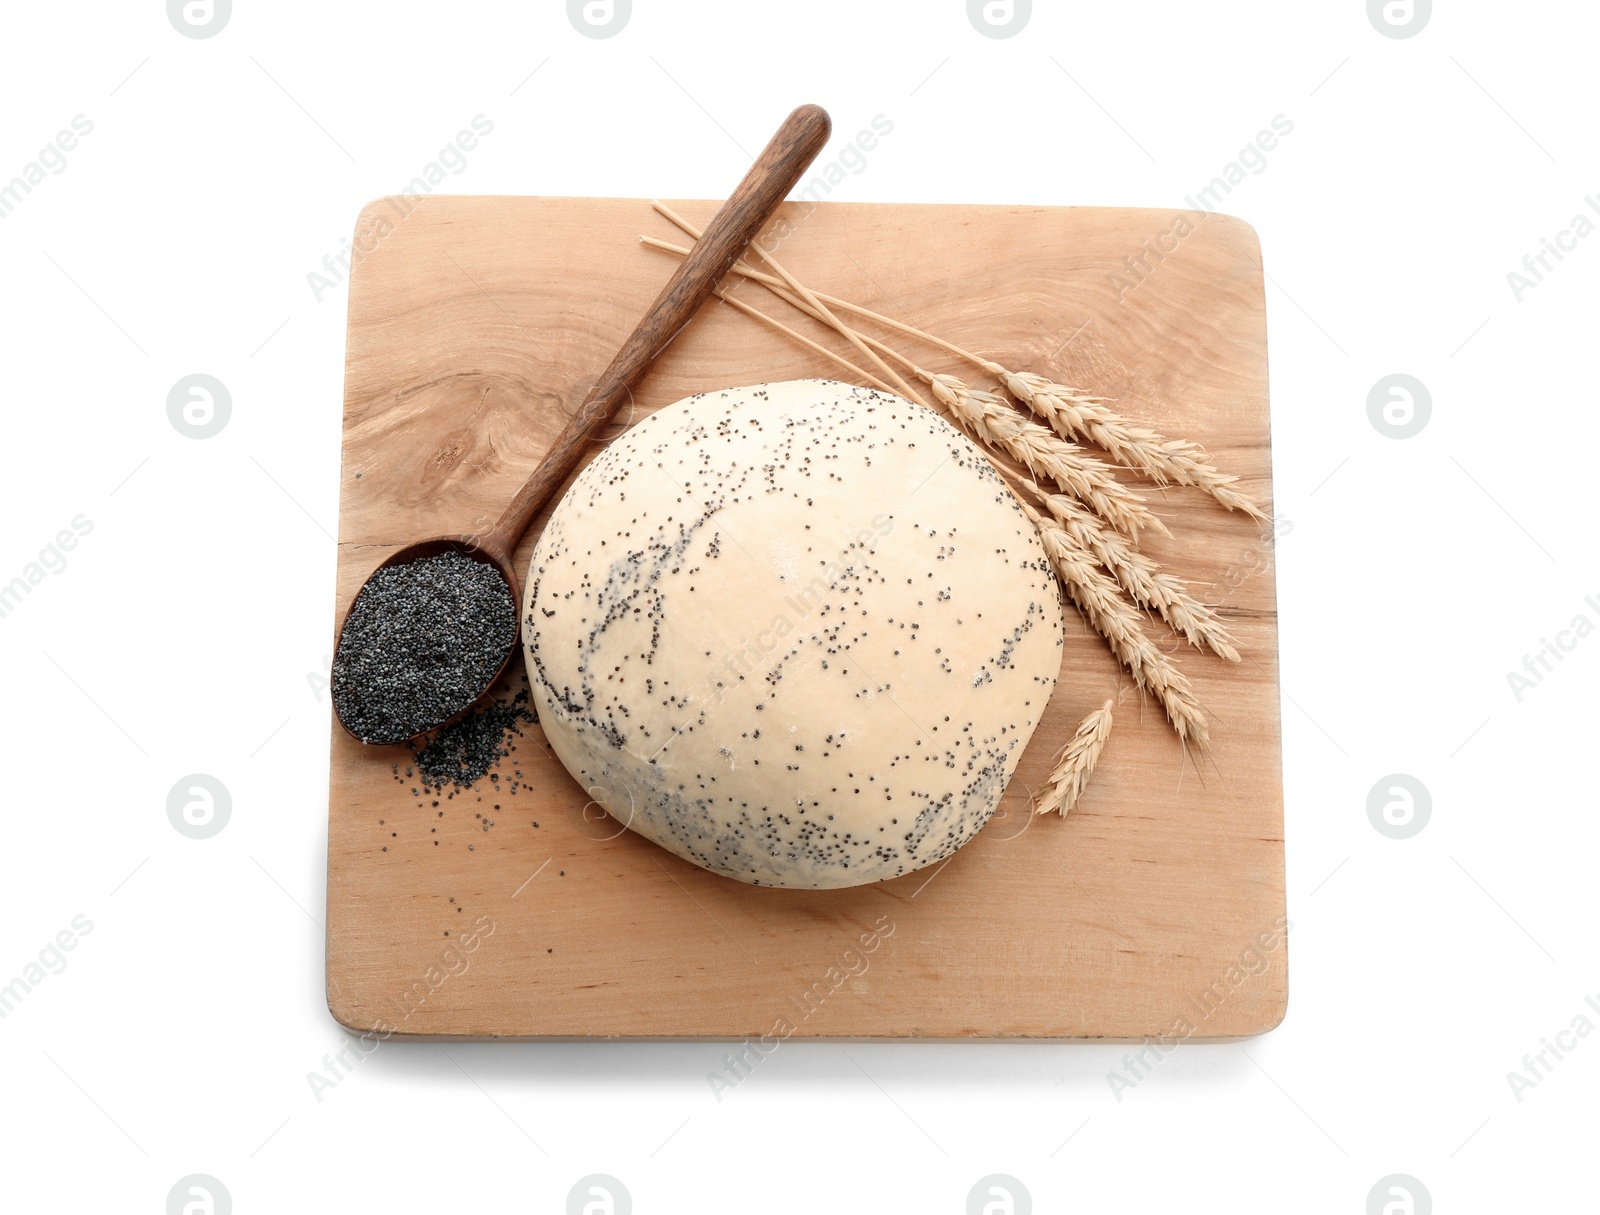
column 1155, row 909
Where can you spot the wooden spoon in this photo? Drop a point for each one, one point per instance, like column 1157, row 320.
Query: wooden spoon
column 768, row 182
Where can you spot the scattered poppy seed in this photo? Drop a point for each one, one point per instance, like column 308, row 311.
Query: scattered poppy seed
column 461, row 754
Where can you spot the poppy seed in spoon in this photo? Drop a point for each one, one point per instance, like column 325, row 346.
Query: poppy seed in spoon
column 421, row 642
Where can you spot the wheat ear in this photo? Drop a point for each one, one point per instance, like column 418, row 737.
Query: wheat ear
column 1078, row 759
column 1041, row 451
column 1074, row 415
column 1100, row 600
column 1142, row 577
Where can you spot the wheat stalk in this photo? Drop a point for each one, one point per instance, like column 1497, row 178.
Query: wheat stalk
column 1142, row 577
column 745, row 270
column 801, row 338
column 820, row 309
column 1078, row 759
column 1100, row 600
column 1070, row 413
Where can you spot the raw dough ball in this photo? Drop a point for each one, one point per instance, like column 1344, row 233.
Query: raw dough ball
column 796, row 633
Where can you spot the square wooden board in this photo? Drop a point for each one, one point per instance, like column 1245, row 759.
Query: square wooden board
column 475, row 326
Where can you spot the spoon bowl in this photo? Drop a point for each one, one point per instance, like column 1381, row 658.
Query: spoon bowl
column 474, row 549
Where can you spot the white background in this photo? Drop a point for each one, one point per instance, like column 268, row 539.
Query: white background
column 180, row 635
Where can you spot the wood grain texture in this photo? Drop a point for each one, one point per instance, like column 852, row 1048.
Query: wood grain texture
column 478, row 325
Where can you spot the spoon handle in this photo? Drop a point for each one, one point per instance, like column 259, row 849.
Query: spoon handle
column 768, row 182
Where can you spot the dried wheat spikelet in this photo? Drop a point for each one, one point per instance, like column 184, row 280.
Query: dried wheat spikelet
column 1141, row 576
column 1072, row 414
column 1078, row 759
column 1041, row 451
column 1100, row 600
